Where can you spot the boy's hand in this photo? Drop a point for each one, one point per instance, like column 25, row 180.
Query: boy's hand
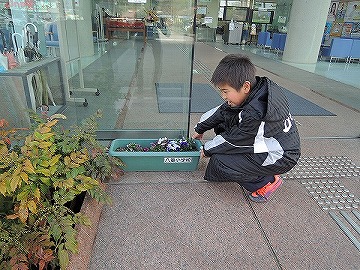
column 197, row 136
column 202, row 153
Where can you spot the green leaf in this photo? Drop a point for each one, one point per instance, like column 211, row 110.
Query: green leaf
column 32, row 206
column 28, row 167
column 45, row 144
column 36, row 193
column 45, row 180
column 44, row 130
column 68, row 222
column 81, row 170
column 24, row 177
column 62, row 196
column 47, row 136
column 82, row 187
column 15, row 182
column 63, row 256
column 74, row 172
column 3, row 188
column 22, row 196
column 71, row 243
column 45, row 172
column 44, row 163
column 38, row 135
column 54, row 160
column 83, row 219
column 55, row 231
column 53, row 170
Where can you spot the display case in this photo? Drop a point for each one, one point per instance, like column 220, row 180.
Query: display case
column 125, row 25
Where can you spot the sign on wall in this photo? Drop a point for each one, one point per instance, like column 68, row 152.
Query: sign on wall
column 352, row 13
column 344, row 19
column 201, row 10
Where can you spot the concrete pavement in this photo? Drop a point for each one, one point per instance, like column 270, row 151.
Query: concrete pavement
column 176, row 220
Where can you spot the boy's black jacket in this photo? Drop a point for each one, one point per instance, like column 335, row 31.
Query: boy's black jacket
column 262, row 124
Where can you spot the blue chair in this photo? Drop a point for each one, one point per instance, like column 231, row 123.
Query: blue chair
column 339, row 49
column 52, row 37
column 275, row 44
column 324, row 51
column 355, row 50
column 264, row 40
column 282, row 42
column 261, row 39
column 268, row 40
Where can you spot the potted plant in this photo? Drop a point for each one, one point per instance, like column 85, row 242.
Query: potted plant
column 40, row 176
column 162, row 155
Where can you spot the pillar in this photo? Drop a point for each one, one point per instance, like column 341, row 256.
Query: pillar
column 305, row 30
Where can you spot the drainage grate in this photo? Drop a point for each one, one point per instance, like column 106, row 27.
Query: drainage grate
column 331, row 194
column 323, row 167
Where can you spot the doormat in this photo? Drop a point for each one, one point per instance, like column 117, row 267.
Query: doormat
column 172, row 98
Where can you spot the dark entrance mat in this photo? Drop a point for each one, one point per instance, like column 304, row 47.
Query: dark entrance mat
column 172, row 98
column 301, row 106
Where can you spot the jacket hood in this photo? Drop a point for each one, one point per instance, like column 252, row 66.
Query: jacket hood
column 268, row 92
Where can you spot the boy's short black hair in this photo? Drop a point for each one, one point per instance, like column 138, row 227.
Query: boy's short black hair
column 234, row 70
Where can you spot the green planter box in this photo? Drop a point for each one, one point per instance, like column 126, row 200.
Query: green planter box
column 155, row 161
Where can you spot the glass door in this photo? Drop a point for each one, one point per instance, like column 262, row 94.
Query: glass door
column 131, row 61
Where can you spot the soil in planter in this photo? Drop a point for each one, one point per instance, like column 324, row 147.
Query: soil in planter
column 76, row 203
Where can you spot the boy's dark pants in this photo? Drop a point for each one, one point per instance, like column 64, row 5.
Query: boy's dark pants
column 247, row 169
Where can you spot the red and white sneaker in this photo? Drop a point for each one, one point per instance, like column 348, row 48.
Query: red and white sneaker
column 262, row 194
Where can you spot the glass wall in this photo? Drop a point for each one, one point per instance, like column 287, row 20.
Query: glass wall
column 130, row 60
column 140, row 74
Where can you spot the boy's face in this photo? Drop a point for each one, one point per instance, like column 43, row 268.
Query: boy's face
column 232, row 96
